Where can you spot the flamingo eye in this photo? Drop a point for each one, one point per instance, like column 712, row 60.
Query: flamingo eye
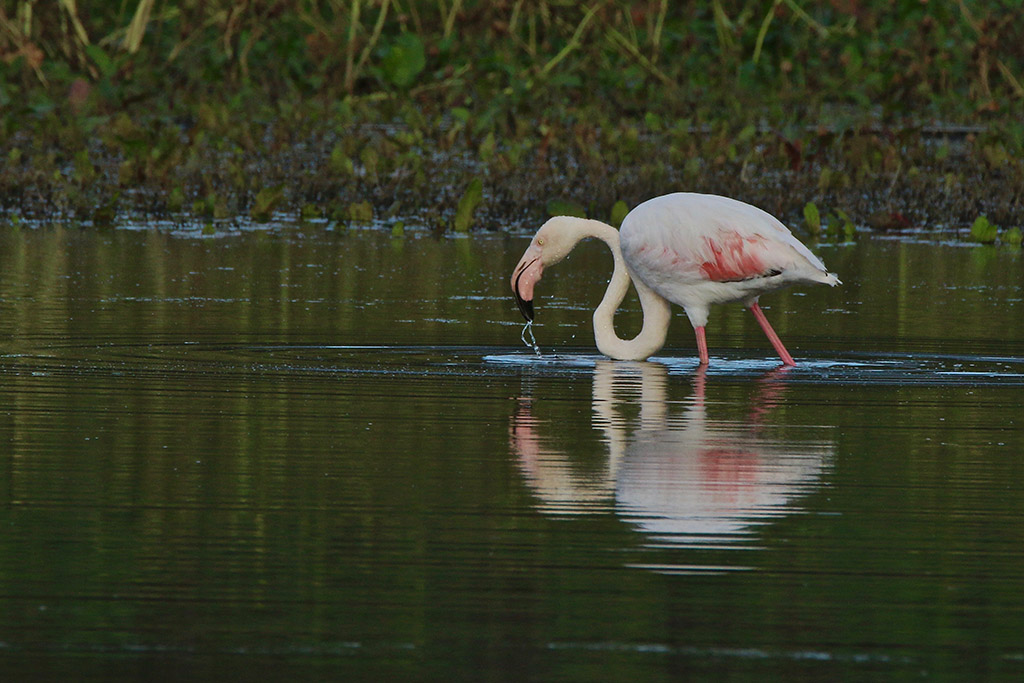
column 540, row 241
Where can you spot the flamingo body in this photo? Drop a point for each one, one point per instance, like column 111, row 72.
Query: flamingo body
column 697, row 250
column 693, row 250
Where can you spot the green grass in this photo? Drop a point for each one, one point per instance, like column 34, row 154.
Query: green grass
column 208, row 110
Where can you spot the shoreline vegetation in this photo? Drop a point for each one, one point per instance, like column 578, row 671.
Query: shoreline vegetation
column 468, row 115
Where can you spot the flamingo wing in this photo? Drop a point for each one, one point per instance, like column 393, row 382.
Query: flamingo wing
column 694, row 238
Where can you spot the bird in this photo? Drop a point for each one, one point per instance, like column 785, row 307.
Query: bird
column 689, row 249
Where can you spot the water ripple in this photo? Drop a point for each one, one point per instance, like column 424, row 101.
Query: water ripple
column 851, row 368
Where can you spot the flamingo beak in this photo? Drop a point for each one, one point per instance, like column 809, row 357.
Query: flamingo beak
column 524, row 277
column 525, row 307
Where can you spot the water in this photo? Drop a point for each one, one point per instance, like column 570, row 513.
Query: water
column 303, row 452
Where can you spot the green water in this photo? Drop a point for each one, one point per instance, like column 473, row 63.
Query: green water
column 302, row 453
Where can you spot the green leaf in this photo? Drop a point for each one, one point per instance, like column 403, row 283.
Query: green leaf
column 619, row 211
column 1013, row 237
column 487, row 147
column 849, row 231
column 467, row 205
column 102, row 60
column 983, row 231
column 812, row 218
column 202, row 209
column 562, row 207
column 360, row 212
column 824, row 180
column 995, row 154
column 840, row 224
column 370, row 160
column 85, row 172
column 176, row 200
column 746, row 135
column 404, row 60
column 266, row 200
column 340, row 162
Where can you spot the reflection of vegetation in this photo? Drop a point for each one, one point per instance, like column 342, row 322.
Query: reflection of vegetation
column 276, row 106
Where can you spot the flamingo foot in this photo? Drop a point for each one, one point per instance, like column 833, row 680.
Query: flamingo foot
column 702, row 346
column 772, row 336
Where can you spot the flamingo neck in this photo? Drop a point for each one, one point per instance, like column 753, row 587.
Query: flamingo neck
column 657, row 312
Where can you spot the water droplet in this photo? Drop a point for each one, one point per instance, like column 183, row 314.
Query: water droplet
column 531, row 342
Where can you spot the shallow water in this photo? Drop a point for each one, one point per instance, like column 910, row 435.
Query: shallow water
column 318, row 453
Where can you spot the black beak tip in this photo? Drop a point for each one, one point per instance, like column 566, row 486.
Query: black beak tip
column 526, row 308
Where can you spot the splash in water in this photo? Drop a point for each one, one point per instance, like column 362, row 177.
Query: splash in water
column 531, row 341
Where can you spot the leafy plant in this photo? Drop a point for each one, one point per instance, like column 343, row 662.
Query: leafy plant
column 618, row 213
column 812, row 218
column 360, row 212
column 176, row 200
column 404, row 60
column 471, row 198
column 983, row 231
column 266, row 202
column 487, row 147
column 340, row 162
column 840, row 225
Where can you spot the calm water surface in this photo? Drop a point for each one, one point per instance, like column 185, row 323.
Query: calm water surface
column 309, row 453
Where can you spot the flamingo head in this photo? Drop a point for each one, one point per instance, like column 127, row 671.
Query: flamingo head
column 551, row 244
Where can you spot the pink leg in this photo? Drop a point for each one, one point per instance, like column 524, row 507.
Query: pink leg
column 770, row 333
column 702, row 345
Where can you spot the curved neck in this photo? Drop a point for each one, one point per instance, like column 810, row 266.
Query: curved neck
column 657, row 312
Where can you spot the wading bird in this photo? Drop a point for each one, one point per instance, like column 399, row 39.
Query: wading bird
column 693, row 250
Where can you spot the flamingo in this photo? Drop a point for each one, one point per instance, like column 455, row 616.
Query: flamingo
column 693, row 250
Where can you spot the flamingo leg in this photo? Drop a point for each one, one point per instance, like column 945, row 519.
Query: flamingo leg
column 770, row 333
column 702, row 345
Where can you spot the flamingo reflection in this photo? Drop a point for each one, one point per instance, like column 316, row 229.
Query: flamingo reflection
column 680, row 476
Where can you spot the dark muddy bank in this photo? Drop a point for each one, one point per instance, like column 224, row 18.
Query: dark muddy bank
column 127, row 170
